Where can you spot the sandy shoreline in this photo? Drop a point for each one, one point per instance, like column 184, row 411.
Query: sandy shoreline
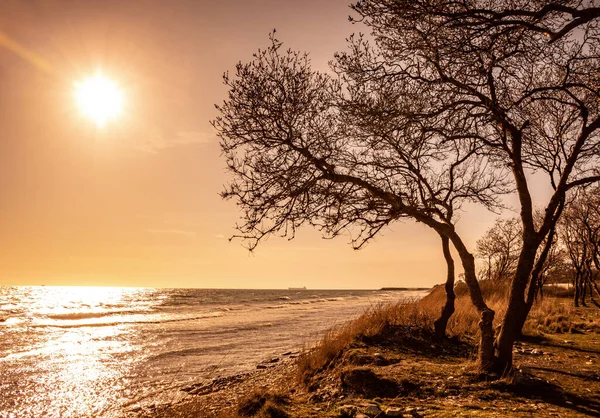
column 401, row 370
column 546, row 384
column 220, row 396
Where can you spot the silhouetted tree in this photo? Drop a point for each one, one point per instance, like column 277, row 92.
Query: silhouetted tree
column 431, row 113
column 499, row 249
column 580, row 233
column 343, row 153
column 578, row 253
column 555, row 268
column 554, row 19
column 532, row 103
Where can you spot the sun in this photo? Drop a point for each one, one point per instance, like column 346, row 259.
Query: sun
column 99, row 98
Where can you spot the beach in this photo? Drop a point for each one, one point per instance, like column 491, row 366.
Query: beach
column 109, row 352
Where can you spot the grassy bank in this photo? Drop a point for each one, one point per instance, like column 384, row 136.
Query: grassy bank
column 387, row 363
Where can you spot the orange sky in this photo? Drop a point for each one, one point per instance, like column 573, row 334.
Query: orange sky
column 136, row 203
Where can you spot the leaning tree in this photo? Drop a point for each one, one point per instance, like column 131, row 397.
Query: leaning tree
column 527, row 74
column 338, row 151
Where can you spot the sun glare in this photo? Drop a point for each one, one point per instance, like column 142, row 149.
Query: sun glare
column 99, row 98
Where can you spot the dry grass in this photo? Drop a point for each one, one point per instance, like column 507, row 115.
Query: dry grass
column 371, row 323
column 463, row 322
column 559, row 316
column 558, row 291
column 551, row 315
column 263, row 404
column 393, row 347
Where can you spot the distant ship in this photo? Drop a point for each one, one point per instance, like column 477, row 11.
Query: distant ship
column 297, row 288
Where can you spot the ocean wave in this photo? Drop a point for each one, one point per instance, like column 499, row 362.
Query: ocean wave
column 124, row 321
column 88, row 315
column 219, row 350
column 304, row 301
column 250, row 327
column 12, row 321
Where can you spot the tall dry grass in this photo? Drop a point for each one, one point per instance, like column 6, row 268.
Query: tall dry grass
column 550, row 314
column 464, row 321
column 556, row 315
column 553, row 313
column 375, row 319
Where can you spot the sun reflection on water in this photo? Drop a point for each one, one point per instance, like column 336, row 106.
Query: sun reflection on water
column 62, row 364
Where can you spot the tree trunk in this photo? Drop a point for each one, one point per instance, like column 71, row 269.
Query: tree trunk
column 582, row 292
column 534, row 288
column 535, row 284
column 596, row 287
column 531, row 294
column 591, row 290
column 516, row 311
column 442, row 322
column 576, row 290
column 487, row 357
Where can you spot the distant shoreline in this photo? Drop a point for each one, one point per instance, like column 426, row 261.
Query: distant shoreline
column 215, row 288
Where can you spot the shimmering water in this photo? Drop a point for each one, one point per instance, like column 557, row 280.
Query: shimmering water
column 96, row 351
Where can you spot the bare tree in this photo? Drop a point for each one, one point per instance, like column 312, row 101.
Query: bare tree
column 578, row 252
column 432, row 113
column 499, row 249
column 344, row 154
column 580, row 233
column 546, row 255
column 532, row 103
column 554, row 19
column 554, row 268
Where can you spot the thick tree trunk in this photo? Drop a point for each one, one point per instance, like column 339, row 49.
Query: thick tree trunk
column 441, row 323
column 531, row 295
column 534, row 288
column 516, row 312
column 487, row 358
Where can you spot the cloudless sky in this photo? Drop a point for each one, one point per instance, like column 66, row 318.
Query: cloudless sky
column 136, row 202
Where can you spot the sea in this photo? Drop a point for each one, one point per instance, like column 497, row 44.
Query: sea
column 107, row 351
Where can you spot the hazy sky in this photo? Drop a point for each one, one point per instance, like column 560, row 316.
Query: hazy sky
column 136, row 203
